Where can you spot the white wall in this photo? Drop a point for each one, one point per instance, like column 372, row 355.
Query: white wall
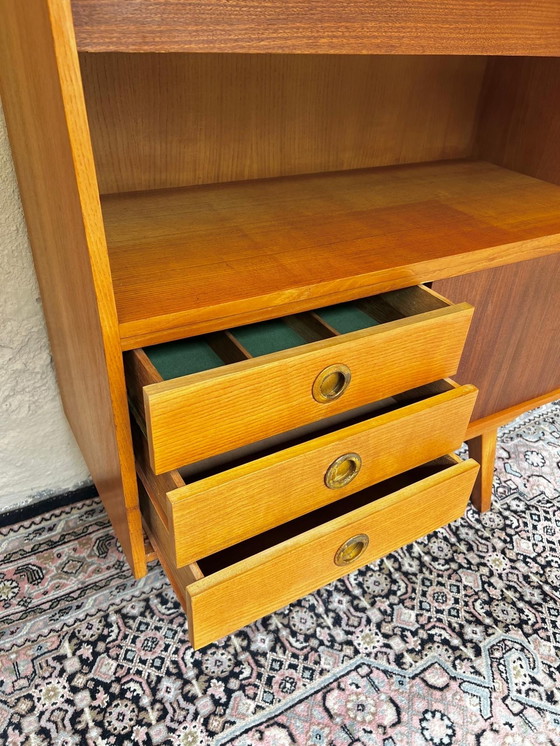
column 38, row 453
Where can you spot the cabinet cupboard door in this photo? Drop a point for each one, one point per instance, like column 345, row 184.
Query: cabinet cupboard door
column 512, row 351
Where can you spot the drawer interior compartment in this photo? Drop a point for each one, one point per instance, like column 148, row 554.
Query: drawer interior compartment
column 207, row 395
column 196, row 354
column 228, row 498
column 276, row 567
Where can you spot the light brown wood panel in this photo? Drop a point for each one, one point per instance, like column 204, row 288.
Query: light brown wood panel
column 159, row 486
column 45, row 113
column 210, row 514
column 520, row 116
column 199, row 415
column 203, row 258
column 181, row 119
column 280, row 574
column 299, row 556
column 355, row 26
column 513, row 347
column 140, row 372
column 159, row 538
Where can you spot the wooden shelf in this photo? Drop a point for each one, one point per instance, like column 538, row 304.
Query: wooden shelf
column 198, row 259
column 487, row 27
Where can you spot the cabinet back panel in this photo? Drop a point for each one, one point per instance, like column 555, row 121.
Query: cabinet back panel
column 179, row 119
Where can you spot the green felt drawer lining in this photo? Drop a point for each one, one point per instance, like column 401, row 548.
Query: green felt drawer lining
column 267, row 336
column 193, row 355
column 346, row 318
column 181, row 358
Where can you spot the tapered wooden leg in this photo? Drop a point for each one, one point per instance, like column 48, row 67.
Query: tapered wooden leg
column 483, row 450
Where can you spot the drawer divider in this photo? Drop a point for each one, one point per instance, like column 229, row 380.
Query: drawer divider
column 400, row 303
column 311, row 326
column 228, row 347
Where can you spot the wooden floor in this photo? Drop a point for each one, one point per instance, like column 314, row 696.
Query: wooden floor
column 192, row 260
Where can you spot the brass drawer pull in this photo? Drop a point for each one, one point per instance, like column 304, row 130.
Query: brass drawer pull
column 331, row 383
column 343, row 470
column 351, row 549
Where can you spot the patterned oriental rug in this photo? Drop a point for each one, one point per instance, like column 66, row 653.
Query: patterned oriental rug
column 454, row 639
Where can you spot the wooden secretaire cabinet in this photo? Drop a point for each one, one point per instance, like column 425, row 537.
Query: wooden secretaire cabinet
column 260, row 231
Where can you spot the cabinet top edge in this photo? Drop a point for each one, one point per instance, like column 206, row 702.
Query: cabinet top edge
column 477, row 27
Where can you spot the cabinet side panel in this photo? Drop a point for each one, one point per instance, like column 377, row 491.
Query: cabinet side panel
column 513, row 347
column 45, row 114
column 519, row 125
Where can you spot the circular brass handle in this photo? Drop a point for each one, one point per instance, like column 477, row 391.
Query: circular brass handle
column 343, row 470
column 351, row 549
column 331, row 383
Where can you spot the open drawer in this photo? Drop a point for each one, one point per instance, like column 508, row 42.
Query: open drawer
column 232, row 588
column 207, row 395
column 228, row 499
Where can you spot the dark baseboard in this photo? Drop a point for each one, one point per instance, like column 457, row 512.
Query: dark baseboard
column 43, row 506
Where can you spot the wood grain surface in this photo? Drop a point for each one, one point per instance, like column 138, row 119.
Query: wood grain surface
column 193, row 417
column 160, row 541
column 513, row 348
column 175, row 120
column 504, row 416
column 47, row 124
column 203, row 258
column 488, row 27
column 210, row 514
column 519, row 124
column 513, row 344
column 279, row 575
column 483, row 450
column 156, row 486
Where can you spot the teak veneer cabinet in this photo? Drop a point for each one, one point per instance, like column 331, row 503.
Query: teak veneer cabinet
column 247, row 220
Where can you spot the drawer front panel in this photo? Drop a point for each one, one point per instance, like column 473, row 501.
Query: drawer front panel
column 237, row 503
column 237, row 595
column 197, row 416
